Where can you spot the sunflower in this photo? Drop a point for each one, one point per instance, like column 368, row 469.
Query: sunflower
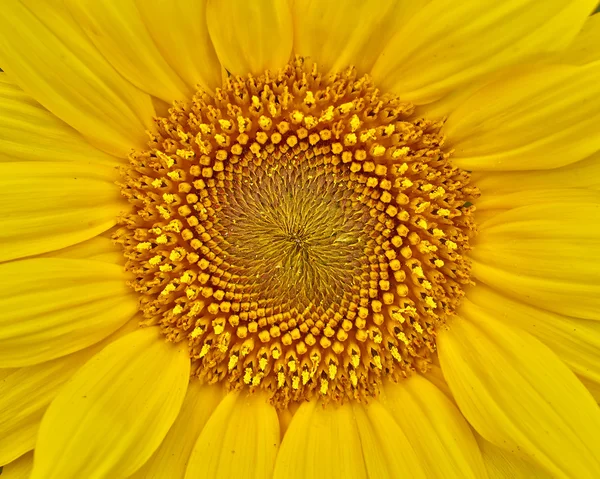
column 299, row 239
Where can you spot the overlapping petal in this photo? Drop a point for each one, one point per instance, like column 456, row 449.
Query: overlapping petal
column 321, row 442
column 99, row 248
column 187, row 48
column 435, row 428
column 53, row 307
column 29, row 132
column 20, row 468
column 240, row 439
column 575, row 341
column 118, row 31
column 250, row 37
column 502, row 464
column 386, row 450
column 542, row 118
column 114, row 413
column 582, row 174
column 336, row 35
column 49, row 206
column 543, row 250
column 48, row 55
column 448, row 44
column 518, row 395
column 25, row 394
column 171, row 458
column 583, row 49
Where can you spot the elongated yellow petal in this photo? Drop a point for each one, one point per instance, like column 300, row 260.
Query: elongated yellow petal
column 540, row 119
column 29, row 132
column 435, row 428
column 452, row 101
column 582, row 174
column 98, row 248
column 251, row 37
column 240, row 439
column 114, row 413
column 321, row 442
column 502, row 464
column 575, row 341
column 20, row 468
column 584, row 48
column 48, row 206
column 118, row 31
column 436, row 377
column 187, row 48
column 518, row 395
column 592, row 386
column 534, row 197
column 336, row 35
column 53, row 307
column 49, row 56
column 171, row 458
column 447, row 44
column 580, row 51
column 546, row 255
column 25, row 393
column 385, row 448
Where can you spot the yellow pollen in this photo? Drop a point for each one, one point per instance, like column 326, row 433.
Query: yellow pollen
column 303, row 234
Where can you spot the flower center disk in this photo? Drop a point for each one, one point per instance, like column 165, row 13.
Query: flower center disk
column 304, row 234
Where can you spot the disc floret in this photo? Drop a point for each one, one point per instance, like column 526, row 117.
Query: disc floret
column 304, row 234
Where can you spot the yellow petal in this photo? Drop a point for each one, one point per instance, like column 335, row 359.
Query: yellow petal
column 584, row 48
column 19, row 469
column 546, row 255
column 25, row 395
column 501, row 464
column 44, row 50
column 518, row 395
column 114, row 413
column 583, row 174
column 250, row 37
column 187, row 47
column 98, row 248
column 240, row 439
column 453, row 100
column 530, row 197
column 118, row 31
column 447, row 44
column 436, row 430
column 337, row 35
column 171, row 458
column 285, row 418
column 385, row 448
column 544, row 118
column 436, row 377
column 29, row 132
column 27, row 392
column 593, row 387
column 575, row 341
column 53, row 307
column 48, row 206
column 321, row 442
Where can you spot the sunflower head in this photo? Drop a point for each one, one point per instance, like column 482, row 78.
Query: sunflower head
column 306, row 281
